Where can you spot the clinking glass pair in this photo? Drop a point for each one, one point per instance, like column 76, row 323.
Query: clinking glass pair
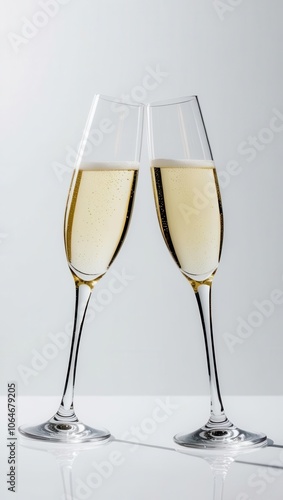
column 189, row 211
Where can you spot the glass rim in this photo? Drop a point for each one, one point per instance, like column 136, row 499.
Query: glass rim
column 173, row 100
column 118, row 100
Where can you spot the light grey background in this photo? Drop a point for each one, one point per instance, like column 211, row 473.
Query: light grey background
column 146, row 338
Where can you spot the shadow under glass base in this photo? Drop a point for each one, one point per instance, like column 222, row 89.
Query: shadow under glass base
column 64, row 432
column 225, row 438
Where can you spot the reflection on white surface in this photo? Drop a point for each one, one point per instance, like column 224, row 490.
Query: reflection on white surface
column 65, row 456
column 115, row 470
column 129, row 470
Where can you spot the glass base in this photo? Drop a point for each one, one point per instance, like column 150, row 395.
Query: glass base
column 222, row 438
column 65, row 432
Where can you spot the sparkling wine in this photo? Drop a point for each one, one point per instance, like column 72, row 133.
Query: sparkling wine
column 189, row 210
column 97, row 216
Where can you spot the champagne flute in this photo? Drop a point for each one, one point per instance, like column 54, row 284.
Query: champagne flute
column 189, row 211
column 97, row 216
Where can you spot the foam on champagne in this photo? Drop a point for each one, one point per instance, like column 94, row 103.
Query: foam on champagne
column 113, row 165
column 163, row 162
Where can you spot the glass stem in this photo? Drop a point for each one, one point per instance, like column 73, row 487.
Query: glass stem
column 203, row 296
column 218, row 486
column 66, row 474
column 66, row 465
column 66, row 409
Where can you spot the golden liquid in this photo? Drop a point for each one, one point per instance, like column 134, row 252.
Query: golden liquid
column 189, row 210
column 97, row 217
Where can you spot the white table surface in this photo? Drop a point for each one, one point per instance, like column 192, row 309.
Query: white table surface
column 153, row 469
